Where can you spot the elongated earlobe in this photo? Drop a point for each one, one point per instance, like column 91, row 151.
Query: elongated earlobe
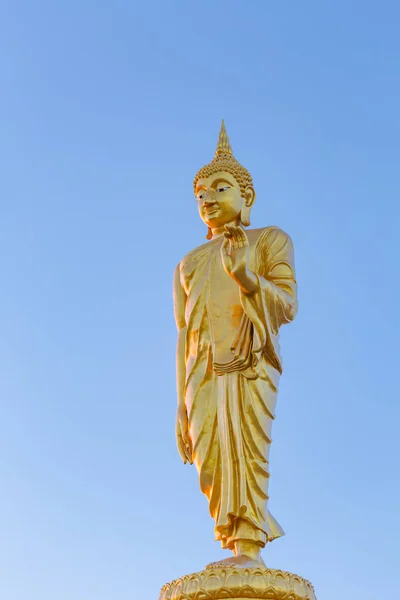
column 209, row 234
column 248, row 198
column 245, row 215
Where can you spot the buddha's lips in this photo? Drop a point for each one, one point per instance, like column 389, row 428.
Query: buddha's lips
column 211, row 211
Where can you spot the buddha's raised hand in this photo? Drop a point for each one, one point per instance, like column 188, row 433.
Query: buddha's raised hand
column 235, row 255
column 235, row 250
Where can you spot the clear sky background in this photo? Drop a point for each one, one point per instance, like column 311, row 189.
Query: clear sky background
column 107, row 111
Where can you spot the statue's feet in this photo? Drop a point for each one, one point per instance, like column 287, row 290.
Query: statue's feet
column 241, row 560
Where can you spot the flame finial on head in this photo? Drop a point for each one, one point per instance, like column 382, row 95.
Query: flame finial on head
column 225, row 161
column 224, row 146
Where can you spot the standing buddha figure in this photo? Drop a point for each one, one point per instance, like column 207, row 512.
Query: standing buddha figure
column 231, row 296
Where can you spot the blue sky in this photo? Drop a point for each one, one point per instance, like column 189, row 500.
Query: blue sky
column 107, row 110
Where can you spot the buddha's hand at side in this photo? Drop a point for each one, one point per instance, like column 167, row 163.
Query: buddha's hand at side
column 183, row 440
column 235, row 255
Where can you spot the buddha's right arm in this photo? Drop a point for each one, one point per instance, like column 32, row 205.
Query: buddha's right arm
column 181, row 367
column 179, row 312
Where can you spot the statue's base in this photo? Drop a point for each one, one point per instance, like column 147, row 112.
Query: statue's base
column 233, row 583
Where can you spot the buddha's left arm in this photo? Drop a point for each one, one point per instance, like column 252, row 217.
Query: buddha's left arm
column 276, row 274
column 269, row 292
column 271, row 278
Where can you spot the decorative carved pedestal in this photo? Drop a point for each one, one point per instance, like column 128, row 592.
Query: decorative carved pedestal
column 232, row 583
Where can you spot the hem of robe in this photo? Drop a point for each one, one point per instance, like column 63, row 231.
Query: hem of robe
column 248, row 531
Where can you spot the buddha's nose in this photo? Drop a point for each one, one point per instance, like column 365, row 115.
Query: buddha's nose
column 209, row 199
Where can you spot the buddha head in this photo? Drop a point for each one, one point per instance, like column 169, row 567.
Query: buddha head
column 224, row 189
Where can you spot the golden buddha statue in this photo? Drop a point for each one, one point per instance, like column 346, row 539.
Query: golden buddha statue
column 231, row 295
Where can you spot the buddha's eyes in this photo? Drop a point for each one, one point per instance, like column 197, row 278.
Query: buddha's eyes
column 202, row 193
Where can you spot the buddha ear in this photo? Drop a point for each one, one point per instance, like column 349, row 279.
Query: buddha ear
column 249, row 199
column 209, row 234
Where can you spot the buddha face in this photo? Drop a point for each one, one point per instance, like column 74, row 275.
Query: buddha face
column 220, row 200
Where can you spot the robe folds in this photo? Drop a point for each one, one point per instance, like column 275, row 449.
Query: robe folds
column 231, row 405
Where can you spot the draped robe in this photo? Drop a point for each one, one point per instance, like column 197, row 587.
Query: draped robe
column 231, row 403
